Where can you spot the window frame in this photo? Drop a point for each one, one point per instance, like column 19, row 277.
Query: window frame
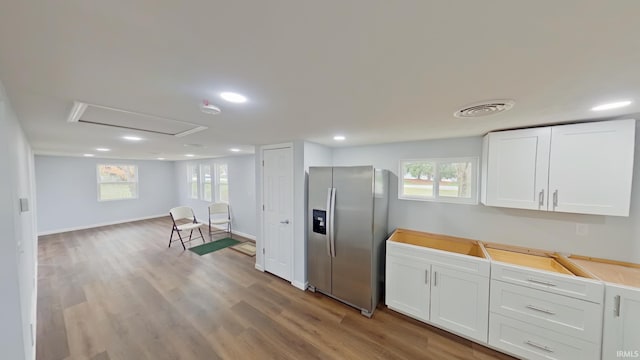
column 475, row 176
column 203, row 183
column 99, row 182
column 217, row 182
column 190, row 171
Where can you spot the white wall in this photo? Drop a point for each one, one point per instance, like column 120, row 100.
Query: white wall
column 615, row 238
column 242, row 195
column 67, row 190
column 18, row 249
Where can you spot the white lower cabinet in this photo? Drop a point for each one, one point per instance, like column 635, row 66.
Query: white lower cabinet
column 533, row 342
column 450, row 291
column 407, row 286
column 459, row 302
column 537, row 314
column 621, row 335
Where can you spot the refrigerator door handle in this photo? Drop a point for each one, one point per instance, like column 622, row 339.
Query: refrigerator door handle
column 328, row 224
column 331, row 220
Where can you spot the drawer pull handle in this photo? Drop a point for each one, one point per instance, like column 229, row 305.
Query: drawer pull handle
column 542, row 282
column 616, row 306
column 533, row 307
column 536, row 345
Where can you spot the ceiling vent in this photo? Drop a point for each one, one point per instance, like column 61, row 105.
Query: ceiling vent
column 484, row 108
column 129, row 120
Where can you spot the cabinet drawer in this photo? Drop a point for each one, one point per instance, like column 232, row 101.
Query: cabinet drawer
column 578, row 318
column 575, row 287
column 534, row 342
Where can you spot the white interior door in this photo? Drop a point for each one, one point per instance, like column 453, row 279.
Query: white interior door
column 278, row 211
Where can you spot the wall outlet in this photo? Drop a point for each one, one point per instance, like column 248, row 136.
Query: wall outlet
column 582, row 229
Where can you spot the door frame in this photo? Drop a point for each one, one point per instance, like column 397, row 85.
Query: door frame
column 261, row 244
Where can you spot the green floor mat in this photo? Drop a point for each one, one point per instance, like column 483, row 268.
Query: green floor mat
column 213, row 246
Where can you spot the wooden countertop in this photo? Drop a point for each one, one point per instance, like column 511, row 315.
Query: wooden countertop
column 609, row 270
column 540, row 262
column 439, row 242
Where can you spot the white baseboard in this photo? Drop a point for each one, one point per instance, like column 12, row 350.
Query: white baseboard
column 235, row 232
column 299, row 285
column 259, row 267
column 58, row 231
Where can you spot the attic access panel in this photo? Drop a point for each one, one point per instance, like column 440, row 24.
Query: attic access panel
column 123, row 119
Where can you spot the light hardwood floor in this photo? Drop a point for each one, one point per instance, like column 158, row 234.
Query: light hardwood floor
column 117, row 292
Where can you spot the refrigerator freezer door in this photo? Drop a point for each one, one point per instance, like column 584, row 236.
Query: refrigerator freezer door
column 318, row 256
column 353, row 231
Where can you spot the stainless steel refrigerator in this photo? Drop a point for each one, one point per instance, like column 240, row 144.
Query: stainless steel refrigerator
column 346, row 232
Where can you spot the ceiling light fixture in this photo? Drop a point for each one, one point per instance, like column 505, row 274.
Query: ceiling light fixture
column 76, row 111
column 234, row 150
column 339, row 138
column 209, row 108
column 613, row 105
column 160, row 158
column 233, row 97
column 103, row 149
column 132, row 138
column 189, row 155
column 88, row 155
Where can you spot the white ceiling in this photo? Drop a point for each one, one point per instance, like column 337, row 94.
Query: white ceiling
column 373, row 70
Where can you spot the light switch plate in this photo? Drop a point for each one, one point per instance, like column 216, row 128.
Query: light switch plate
column 24, row 204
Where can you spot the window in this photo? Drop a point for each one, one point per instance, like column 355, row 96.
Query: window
column 208, row 182
column 446, row 180
column 222, row 183
column 205, row 171
column 192, row 177
column 117, row 182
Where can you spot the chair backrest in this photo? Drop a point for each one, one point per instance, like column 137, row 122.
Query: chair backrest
column 182, row 212
column 219, row 209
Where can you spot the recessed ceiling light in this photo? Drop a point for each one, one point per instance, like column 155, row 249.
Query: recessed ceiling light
column 160, row 158
column 613, row 105
column 234, row 150
column 339, row 138
column 189, row 155
column 88, row 155
column 132, row 138
column 233, row 97
column 103, row 149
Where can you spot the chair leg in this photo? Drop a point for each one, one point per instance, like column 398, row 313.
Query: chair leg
column 171, row 237
column 180, row 236
column 202, row 236
column 230, row 232
column 191, row 233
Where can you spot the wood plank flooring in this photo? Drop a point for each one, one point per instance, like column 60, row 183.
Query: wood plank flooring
column 117, row 292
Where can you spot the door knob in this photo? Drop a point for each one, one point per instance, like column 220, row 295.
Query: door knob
column 284, row 222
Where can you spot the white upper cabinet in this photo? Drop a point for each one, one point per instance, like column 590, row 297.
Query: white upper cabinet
column 591, row 167
column 579, row 168
column 518, row 168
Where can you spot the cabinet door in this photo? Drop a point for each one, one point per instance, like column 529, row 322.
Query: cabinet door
column 621, row 323
column 591, row 167
column 407, row 286
column 460, row 302
column 517, row 169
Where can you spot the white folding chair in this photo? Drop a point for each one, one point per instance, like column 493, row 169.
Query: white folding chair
column 219, row 214
column 182, row 213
